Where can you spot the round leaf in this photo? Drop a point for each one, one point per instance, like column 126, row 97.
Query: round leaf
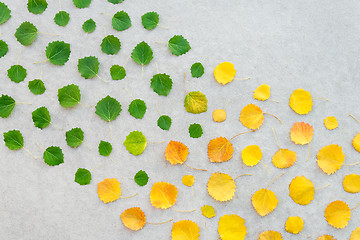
column 108, row 108
column 89, row 26
column 69, row 95
column 195, row 130
column 117, row 72
column 41, row 117
column 58, row 52
column 137, row 108
column 110, row 45
column 7, row 105
column 13, row 139
column 88, row 67
column 161, row 84
column 37, row 6
column 135, row 143
column 37, row 87
column 115, row 1
column 53, row 156
column 83, row 176
column 26, row 33
column 195, row 102
column 121, row 21
column 164, row 122
column 17, row 73
column 142, row 54
column 178, row 45
column 4, row 13
column 62, row 18
column 74, row 137
column 105, row 148
column 141, row 178
column 81, row 3
column 150, row 20
column 197, row 70
column 3, row 48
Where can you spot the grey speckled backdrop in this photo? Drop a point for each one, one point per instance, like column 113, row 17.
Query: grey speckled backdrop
column 287, row 44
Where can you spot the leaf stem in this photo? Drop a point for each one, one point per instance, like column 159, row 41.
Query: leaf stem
column 198, row 169
column 321, row 98
column 55, row 126
column 274, row 180
column 32, row 155
column 246, row 174
column 160, row 222
column 265, row 167
column 41, row 61
column 129, row 196
column 242, row 79
column 105, row 81
column 240, row 134
column 96, row 167
column 157, row 142
column 227, row 103
column 276, row 139
column 354, row 118
column 25, row 103
column 18, row 58
column 41, row 147
column 110, row 130
column 185, row 83
column 163, row 27
column 308, row 153
column 274, row 117
column 87, row 146
column 355, row 206
column 351, row 164
column 274, row 100
column 161, row 42
column 323, row 187
column 183, row 211
column 49, row 34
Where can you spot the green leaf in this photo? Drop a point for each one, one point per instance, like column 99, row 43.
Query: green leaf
column 142, row 54
column 161, row 84
column 37, row 87
column 137, row 108
column 88, row 67
column 117, row 72
column 37, row 6
column 141, row 178
column 7, row 104
column 110, row 45
column 179, row 45
column 105, row 148
column 74, row 137
column 108, row 108
column 195, row 130
column 17, row 73
column 197, row 70
column 135, row 143
column 69, row 95
column 14, row 140
column 83, row 176
column 81, row 3
column 41, row 117
column 121, row 21
column 89, row 26
column 58, row 52
column 115, row 1
column 26, row 33
column 150, row 20
column 62, row 18
column 53, row 156
column 195, row 102
column 4, row 13
column 3, row 48
column 164, row 122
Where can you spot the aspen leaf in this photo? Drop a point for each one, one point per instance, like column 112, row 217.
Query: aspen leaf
column 176, row 152
column 219, row 115
column 355, row 235
column 232, row 227
column 37, row 87
column 300, row 101
column 330, row 158
column 110, row 45
column 7, row 105
column 135, row 143
column 41, row 117
column 220, row 150
column 356, row 142
column 83, row 176
column 262, row 92
column 195, row 130
column 17, row 73
column 117, row 72
column 337, row 214
column 164, row 122
column 4, row 48
column 62, row 18
column 88, row 67
column 69, row 96
column 58, row 52
column 197, row 70
column 185, row 229
column 37, row 6
column 284, row 158
column 26, row 33
column 142, row 54
column 150, row 20
column 81, row 3
column 133, row 218
column 331, row 122
column 270, row 235
column 161, row 83
column 163, row 195
column 109, row 190
column 301, row 133
column 89, row 26
column 108, row 109
column 208, row 211
column 221, row 187
column 251, row 155
column 178, row 45
column 351, row 183
column 5, row 13
column 115, row 1
column 74, row 137
column 104, row 148
column 195, row 102
column 13, row 139
column 301, row 190
column 137, row 108
column 188, row 180
column 294, row 225
column 326, row 237
column 264, row 201
column 224, row 73
column 252, row 116
column 141, row 178
column 53, row 156
column 121, row 21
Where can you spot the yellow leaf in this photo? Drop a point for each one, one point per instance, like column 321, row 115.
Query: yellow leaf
column 185, row 229
column 219, row 115
column 356, row 142
column 326, row 237
column 232, row 227
column 208, row 211
column 300, row 101
column 220, row 150
column 188, row 180
column 355, row 235
column 221, row 187
column 284, row 158
column 195, row 102
column 301, row 133
column 330, row 123
column 176, row 152
column 264, row 201
column 330, row 158
column 294, row 225
column 301, row 190
column 270, row 235
column 224, row 72
column 163, row 195
column 351, row 183
column 133, row 218
column 251, row 155
column 109, row 190
column 251, row 116
column 262, row 93
column 338, row 214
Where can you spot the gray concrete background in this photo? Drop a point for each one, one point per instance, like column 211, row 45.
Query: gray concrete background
column 287, row 44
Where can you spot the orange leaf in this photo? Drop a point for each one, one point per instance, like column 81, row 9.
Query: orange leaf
column 251, row 116
column 163, row 195
column 284, row 158
column 220, row 150
column 176, row 152
column 301, row 133
column 133, row 218
column 109, row 190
